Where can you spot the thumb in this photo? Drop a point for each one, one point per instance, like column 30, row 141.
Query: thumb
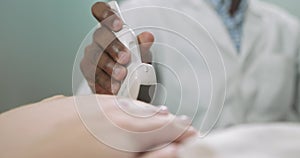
column 146, row 40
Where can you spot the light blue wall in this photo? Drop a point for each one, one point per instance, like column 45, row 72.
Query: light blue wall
column 38, row 43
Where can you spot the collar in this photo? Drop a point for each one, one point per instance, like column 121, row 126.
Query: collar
column 226, row 4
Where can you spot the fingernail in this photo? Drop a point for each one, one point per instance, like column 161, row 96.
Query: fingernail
column 124, row 57
column 163, row 110
column 115, row 88
column 185, row 120
column 115, row 48
column 117, row 24
column 118, row 73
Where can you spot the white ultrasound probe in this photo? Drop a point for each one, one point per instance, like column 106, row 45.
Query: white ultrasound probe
column 138, row 73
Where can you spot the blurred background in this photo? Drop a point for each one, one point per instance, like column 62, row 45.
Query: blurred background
column 38, row 44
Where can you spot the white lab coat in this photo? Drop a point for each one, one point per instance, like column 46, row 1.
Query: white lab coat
column 261, row 80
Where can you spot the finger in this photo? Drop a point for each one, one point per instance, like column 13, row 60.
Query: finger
column 184, row 126
column 148, row 132
column 146, row 40
column 188, row 133
column 107, row 40
column 105, row 15
column 89, row 65
column 113, row 69
column 169, row 151
column 88, row 70
column 106, row 82
column 100, row 90
column 92, row 53
column 174, row 130
column 96, row 88
column 161, row 128
column 103, row 37
column 160, row 118
column 119, row 52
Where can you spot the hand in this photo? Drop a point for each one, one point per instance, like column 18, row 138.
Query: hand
column 105, row 60
column 171, row 151
column 54, row 129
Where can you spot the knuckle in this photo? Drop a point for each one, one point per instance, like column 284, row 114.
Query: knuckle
column 82, row 67
column 92, row 54
column 87, row 51
column 86, row 70
column 81, row 64
column 98, row 34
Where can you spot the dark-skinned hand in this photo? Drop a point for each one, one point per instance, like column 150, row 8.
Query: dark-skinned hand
column 105, row 59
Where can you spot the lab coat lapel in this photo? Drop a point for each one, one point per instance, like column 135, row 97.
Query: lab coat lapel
column 217, row 29
column 252, row 30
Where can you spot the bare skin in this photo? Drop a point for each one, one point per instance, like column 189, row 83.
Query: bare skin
column 234, row 6
column 105, row 60
column 53, row 128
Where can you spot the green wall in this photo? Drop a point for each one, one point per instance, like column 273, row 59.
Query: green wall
column 38, row 43
column 291, row 6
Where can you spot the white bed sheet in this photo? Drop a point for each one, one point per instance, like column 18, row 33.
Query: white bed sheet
column 280, row 140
